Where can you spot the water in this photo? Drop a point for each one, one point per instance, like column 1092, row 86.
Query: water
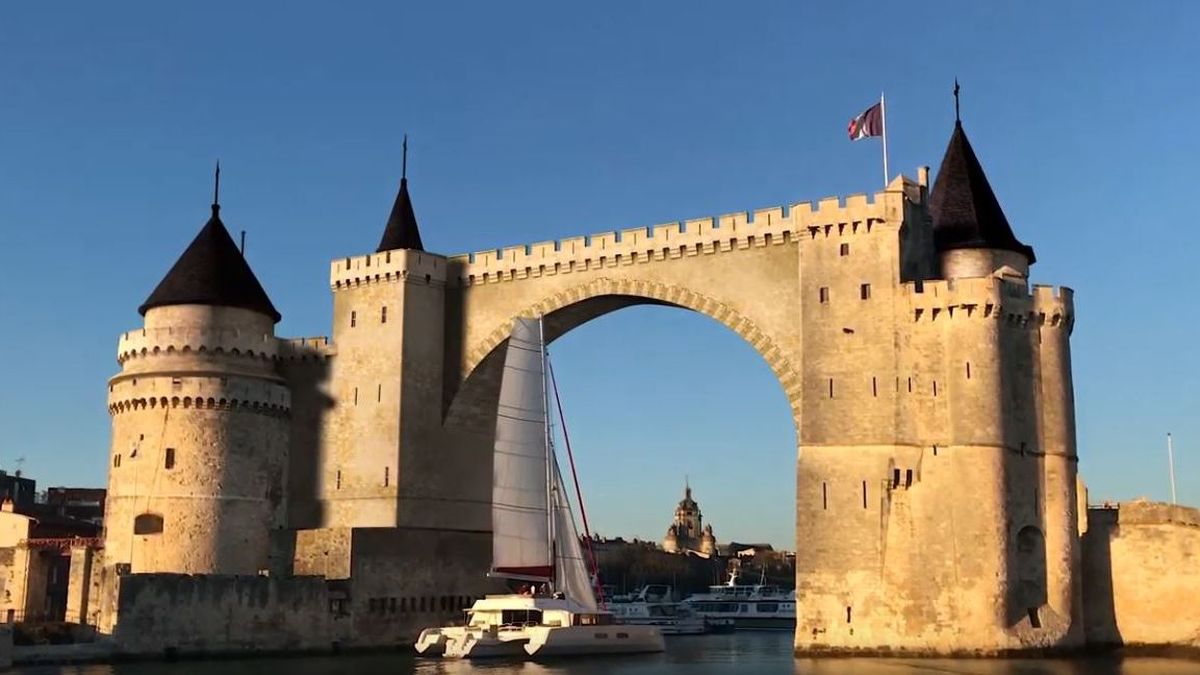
column 758, row 653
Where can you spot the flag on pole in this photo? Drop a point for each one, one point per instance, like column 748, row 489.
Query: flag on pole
column 869, row 123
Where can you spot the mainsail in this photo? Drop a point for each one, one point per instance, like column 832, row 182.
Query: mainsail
column 520, row 526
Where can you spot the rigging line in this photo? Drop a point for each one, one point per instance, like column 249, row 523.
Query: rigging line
column 587, row 532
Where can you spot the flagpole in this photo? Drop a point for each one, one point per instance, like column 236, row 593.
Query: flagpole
column 883, row 121
column 1171, row 466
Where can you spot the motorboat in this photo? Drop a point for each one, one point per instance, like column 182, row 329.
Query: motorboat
column 758, row 606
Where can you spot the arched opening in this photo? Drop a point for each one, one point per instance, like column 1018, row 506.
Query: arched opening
column 1031, row 572
column 148, row 523
column 647, row 415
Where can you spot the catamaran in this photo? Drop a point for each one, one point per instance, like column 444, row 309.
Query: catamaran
column 534, row 539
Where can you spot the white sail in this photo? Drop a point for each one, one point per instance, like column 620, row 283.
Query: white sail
column 520, row 526
column 570, row 569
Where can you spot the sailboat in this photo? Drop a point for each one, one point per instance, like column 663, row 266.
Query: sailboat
column 534, row 539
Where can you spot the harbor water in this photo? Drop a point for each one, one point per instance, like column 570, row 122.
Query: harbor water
column 744, row 652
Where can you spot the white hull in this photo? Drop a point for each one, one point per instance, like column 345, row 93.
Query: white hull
column 593, row 640
column 458, row 642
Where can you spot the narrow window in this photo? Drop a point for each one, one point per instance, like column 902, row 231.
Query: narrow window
column 968, row 370
column 874, row 387
column 339, row 479
column 169, row 459
column 910, row 385
column 845, row 249
column 847, row 614
column 824, row 496
column 823, row 294
column 831, row 387
column 403, row 604
column 378, row 393
column 422, row 603
column 908, row 477
column 935, row 451
column 116, row 461
column 864, row 291
column 864, row 485
column 353, row 319
column 356, row 396
column 392, row 605
column 383, row 314
column 895, row 478
column 1034, row 620
column 935, row 387
column 387, row 476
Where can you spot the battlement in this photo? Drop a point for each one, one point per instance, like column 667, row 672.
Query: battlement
column 830, row 217
column 989, row 298
column 386, row 267
column 154, row 341
column 305, row 348
column 222, row 393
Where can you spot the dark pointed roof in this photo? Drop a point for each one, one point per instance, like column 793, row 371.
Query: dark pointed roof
column 212, row 271
column 965, row 211
column 401, row 230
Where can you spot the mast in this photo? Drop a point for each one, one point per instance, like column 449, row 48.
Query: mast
column 550, row 503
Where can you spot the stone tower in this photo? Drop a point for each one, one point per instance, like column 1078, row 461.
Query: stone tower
column 199, row 430
column 687, row 529
column 388, row 312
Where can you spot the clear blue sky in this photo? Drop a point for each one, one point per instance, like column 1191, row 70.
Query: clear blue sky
column 531, row 121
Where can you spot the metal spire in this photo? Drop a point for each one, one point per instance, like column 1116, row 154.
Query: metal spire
column 957, row 118
column 404, row 164
column 216, row 205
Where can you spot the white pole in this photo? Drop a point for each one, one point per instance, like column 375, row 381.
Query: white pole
column 883, row 121
column 1171, row 466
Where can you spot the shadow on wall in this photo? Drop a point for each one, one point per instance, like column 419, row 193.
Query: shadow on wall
column 306, row 373
column 1099, row 610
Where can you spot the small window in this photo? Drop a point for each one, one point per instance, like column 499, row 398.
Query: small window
column 824, row 496
column 356, row 396
column 391, row 605
column 831, row 387
column 823, row 294
column 845, row 249
column 387, row 476
column 968, row 370
column 148, row 523
column 339, row 479
column 378, row 393
column 169, row 459
column 864, row 485
column 116, row 461
column 874, row 387
column 383, row 314
column 864, row 291
column 353, row 319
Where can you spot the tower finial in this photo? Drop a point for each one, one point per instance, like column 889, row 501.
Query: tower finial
column 404, row 162
column 216, row 205
column 957, row 117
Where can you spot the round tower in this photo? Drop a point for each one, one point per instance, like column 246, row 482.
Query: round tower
column 199, row 428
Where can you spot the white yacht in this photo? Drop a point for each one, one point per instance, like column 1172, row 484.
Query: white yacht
column 534, row 539
column 654, row 605
column 748, row 606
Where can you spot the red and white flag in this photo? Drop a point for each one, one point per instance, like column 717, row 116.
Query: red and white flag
column 869, row 123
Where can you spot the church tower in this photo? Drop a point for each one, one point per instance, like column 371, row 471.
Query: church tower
column 199, row 429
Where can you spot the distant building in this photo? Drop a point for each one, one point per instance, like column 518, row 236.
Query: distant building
column 20, row 490
column 687, row 533
column 85, row 504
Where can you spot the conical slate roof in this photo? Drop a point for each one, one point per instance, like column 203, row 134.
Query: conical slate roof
column 212, row 271
column 966, row 213
column 401, row 230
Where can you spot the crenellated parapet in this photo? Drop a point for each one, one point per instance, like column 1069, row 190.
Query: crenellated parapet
column 387, row 267
column 151, row 342
column 199, row 392
column 306, row 348
column 829, row 218
column 992, row 298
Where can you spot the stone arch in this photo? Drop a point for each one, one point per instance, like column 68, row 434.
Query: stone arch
column 569, row 309
column 148, row 523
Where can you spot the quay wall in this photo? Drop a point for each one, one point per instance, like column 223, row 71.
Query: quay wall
column 1141, row 567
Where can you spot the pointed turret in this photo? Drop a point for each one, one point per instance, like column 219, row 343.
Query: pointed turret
column 401, row 230
column 966, row 213
column 212, row 271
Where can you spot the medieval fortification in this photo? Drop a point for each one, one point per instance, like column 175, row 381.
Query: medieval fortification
column 272, row 493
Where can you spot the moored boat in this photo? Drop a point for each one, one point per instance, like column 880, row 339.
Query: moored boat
column 534, row 539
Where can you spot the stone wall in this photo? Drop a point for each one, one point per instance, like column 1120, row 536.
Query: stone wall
column 219, row 614
column 1141, row 568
